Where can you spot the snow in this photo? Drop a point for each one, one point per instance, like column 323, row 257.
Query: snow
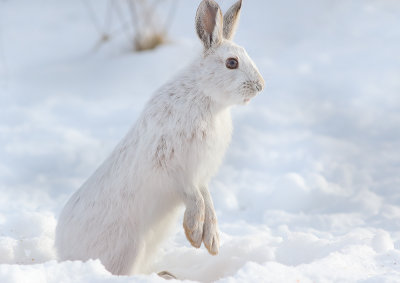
column 309, row 190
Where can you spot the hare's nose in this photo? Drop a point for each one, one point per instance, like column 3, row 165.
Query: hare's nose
column 260, row 84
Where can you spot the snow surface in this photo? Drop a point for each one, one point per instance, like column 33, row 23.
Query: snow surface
column 310, row 187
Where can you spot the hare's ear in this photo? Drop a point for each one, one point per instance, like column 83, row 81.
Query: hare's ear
column 209, row 23
column 231, row 20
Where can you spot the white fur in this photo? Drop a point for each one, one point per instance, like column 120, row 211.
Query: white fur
column 123, row 211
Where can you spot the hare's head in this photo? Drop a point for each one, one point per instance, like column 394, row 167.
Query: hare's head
column 230, row 76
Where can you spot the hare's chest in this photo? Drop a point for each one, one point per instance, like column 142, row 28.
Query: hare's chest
column 213, row 145
column 219, row 135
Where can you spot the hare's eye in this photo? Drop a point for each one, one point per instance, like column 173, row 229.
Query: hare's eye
column 232, row 63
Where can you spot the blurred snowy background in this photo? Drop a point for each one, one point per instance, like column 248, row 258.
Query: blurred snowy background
column 310, row 187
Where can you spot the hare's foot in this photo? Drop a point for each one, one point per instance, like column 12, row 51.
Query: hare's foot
column 193, row 223
column 210, row 232
column 166, row 275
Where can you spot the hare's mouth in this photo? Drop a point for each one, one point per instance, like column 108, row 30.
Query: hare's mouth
column 249, row 90
column 248, row 96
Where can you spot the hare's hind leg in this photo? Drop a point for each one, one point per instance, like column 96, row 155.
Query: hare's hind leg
column 124, row 259
column 166, row 275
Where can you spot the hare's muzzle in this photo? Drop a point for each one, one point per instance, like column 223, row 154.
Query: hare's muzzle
column 260, row 83
column 259, row 86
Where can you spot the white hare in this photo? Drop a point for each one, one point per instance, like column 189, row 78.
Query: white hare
column 122, row 212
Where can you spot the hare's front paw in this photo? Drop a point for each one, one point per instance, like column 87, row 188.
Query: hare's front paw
column 193, row 223
column 210, row 233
